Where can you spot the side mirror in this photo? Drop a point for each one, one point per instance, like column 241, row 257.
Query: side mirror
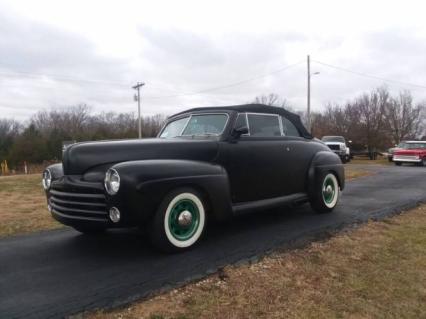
column 237, row 132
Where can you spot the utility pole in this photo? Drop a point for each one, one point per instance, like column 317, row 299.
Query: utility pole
column 309, row 94
column 137, row 87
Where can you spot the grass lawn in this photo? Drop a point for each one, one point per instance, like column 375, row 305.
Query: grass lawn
column 23, row 206
column 381, row 160
column 375, row 271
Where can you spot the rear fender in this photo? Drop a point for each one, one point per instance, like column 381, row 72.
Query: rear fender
column 325, row 161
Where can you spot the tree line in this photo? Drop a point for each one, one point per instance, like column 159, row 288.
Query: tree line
column 373, row 120
column 41, row 138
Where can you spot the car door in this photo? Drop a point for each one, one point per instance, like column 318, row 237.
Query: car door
column 257, row 162
column 300, row 152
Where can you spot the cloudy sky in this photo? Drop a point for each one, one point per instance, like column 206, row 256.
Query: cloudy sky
column 201, row 53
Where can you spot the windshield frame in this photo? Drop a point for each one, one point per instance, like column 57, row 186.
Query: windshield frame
column 189, row 116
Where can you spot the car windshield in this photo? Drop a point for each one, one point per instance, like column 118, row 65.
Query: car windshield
column 338, row 139
column 412, row 146
column 196, row 125
column 402, row 145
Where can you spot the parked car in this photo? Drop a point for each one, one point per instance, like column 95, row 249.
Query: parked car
column 414, row 152
column 206, row 164
column 393, row 149
column 338, row 145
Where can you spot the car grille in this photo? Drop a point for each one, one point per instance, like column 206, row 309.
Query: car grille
column 334, row 147
column 79, row 205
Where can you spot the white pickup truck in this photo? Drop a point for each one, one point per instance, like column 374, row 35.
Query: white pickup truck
column 338, row 145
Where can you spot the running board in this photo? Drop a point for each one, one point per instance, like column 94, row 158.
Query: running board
column 247, row 207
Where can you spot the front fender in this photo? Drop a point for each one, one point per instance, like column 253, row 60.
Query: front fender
column 145, row 183
column 325, row 161
column 56, row 170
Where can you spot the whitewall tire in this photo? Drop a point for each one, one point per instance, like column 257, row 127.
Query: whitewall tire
column 179, row 221
column 326, row 193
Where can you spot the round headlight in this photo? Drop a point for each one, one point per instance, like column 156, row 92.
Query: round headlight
column 47, row 179
column 112, row 181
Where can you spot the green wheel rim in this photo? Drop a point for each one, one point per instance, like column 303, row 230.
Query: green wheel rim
column 328, row 195
column 184, row 232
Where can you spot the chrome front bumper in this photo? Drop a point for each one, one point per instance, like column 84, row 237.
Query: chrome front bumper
column 406, row 158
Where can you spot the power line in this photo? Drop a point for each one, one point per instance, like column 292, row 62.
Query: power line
column 370, row 75
column 90, row 81
column 230, row 84
column 62, row 78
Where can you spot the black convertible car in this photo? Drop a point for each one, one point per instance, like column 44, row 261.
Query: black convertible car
column 206, row 163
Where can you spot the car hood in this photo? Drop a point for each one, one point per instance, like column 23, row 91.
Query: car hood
column 79, row 158
column 409, row 152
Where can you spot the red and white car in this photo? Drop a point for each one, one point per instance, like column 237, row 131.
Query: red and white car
column 414, row 152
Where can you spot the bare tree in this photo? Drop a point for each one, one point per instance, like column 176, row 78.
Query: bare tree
column 371, row 109
column 403, row 118
column 71, row 120
column 272, row 99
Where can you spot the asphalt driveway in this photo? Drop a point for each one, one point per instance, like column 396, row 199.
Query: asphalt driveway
column 57, row 273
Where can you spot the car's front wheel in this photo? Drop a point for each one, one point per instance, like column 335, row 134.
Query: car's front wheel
column 179, row 221
column 398, row 163
column 326, row 193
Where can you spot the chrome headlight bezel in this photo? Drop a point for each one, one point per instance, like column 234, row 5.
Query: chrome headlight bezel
column 112, row 181
column 46, row 179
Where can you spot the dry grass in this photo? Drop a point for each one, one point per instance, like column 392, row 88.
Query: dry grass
column 351, row 172
column 23, row 206
column 375, row 271
column 381, row 160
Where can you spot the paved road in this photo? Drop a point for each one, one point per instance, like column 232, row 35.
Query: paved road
column 56, row 273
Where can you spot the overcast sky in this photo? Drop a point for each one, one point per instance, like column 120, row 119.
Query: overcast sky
column 60, row 53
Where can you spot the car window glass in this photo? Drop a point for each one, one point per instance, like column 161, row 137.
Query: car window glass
column 289, row 128
column 415, row 145
column 264, row 125
column 174, row 128
column 241, row 121
column 206, row 124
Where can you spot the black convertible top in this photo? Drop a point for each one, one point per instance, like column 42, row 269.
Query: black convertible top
column 255, row 108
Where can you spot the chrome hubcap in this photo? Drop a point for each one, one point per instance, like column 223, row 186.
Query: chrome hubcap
column 185, row 218
column 328, row 191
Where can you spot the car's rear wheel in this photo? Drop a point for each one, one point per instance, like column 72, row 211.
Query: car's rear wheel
column 423, row 162
column 179, row 221
column 326, row 193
